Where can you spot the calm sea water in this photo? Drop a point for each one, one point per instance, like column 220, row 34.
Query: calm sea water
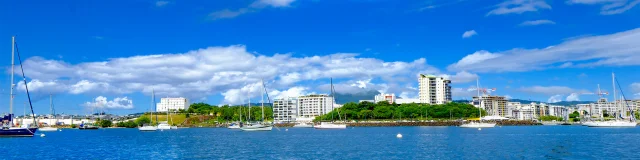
column 529, row 142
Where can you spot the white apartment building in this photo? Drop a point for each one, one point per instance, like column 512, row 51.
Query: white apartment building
column 522, row 112
column 595, row 110
column 285, row 110
column 311, row 106
column 172, row 104
column 494, row 105
column 434, row 90
column 391, row 98
column 558, row 111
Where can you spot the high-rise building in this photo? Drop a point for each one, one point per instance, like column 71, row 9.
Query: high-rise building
column 285, row 110
column 172, row 104
column 311, row 106
column 434, row 90
column 494, row 105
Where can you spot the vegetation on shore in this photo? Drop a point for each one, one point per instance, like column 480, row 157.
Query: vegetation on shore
column 383, row 110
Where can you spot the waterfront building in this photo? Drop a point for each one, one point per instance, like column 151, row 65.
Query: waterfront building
column 285, row 110
column 512, row 106
column 494, row 105
column 310, row 106
column 172, row 104
column 391, row 98
column 558, row 111
column 522, row 111
column 433, row 89
column 407, row 101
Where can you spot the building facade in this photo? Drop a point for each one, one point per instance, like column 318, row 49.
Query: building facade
column 434, row 90
column 311, row 106
column 285, row 110
column 391, row 98
column 172, row 104
column 494, row 105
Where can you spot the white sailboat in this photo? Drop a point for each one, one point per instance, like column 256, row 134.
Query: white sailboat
column 479, row 124
column 303, row 125
column 331, row 125
column 262, row 126
column 164, row 125
column 619, row 121
column 147, row 127
column 49, row 128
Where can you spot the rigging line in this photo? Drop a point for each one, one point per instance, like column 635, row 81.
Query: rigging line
column 625, row 101
column 24, row 79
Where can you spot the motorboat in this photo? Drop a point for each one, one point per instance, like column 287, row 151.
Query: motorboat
column 614, row 123
column 48, row 129
column 303, row 125
column 234, row 126
column 478, row 125
column 330, row 125
column 164, row 126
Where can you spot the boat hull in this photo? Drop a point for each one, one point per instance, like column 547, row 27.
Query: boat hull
column 234, row 127
column 302, row 126
column 48, row 129
column 148, row 128
column 18, row 132
column 478, row 125
column 612, row 124
column 330, row 126
column 257, row 128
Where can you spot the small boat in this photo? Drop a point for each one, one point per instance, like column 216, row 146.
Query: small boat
column 550, row 123
column 478, row 125
column 234, row 126
column 87, row 126
column 164, row 125
column 148, row 128
column 614, row 123
column 303, row 125
column 49, row 128
column 257, row 127
column 330, row 125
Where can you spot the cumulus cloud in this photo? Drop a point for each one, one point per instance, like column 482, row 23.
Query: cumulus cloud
column 519, row 7
column 609, row 7
column 101, row 102
column 231, row 71
column 253, row 7
column 469, row 34
column 461, row 77
column 555, row 98
column 537, row 22
column 573, row 97
column 618, row 49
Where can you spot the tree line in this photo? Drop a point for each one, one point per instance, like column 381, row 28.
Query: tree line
column 384, row 110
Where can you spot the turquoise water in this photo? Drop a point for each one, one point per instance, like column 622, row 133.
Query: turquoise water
column 522, row 142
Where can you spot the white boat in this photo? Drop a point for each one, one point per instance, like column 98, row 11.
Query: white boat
column 303, row 125
column 479, row 124
column 148, row 128
column 234, row 126
column 330, row 125
column 257, row 127
column 174, row 127
column 614, row 123
column 164, row 126
column 48, row 129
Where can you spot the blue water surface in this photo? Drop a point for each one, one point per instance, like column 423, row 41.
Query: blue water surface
column 513, row 142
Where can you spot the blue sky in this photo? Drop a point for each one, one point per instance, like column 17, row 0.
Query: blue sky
column 218, row 51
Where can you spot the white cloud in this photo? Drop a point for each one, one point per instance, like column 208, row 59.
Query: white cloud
column 609, row 7
column 291, row 92
column 537, row 22
column 221, row 70
column 519, row 7
column 555, row 98
column 552, row 90
column 461, row 77
column 161, row 3
column 618, row 49
column 468, row 34
column 101, row 102
column 635, row 87
column 253, row 7
column 573, row 97
column 508, row 97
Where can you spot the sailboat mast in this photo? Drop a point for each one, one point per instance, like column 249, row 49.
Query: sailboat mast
column 262, row 99
column 50, row 104
column 479, row 99
column 249, row 95
column 332, row 97
column 613, row 83
column 151, row 106
column 13, row 44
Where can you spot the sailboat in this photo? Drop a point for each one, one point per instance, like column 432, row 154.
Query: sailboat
column 239, row 124
column 6, row 121
column 148, row 127
column 262, row 126
column 478, row 124
column 165, row 124
column 49, row 128
column 619, row 121
column 331, row 125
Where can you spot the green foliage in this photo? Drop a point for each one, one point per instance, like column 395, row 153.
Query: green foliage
column 73, row 126
column 105, row 123
column 605, row 113
column 143, row 120
column 384, row 110
column 576, row 119
column 550, row 118
column 575, row 114
column 127, row 124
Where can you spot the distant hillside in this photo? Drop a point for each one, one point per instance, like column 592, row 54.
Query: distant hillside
column 342, row 98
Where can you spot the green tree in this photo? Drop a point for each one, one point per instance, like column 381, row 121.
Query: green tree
column 143, row 120
column 105, row 123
